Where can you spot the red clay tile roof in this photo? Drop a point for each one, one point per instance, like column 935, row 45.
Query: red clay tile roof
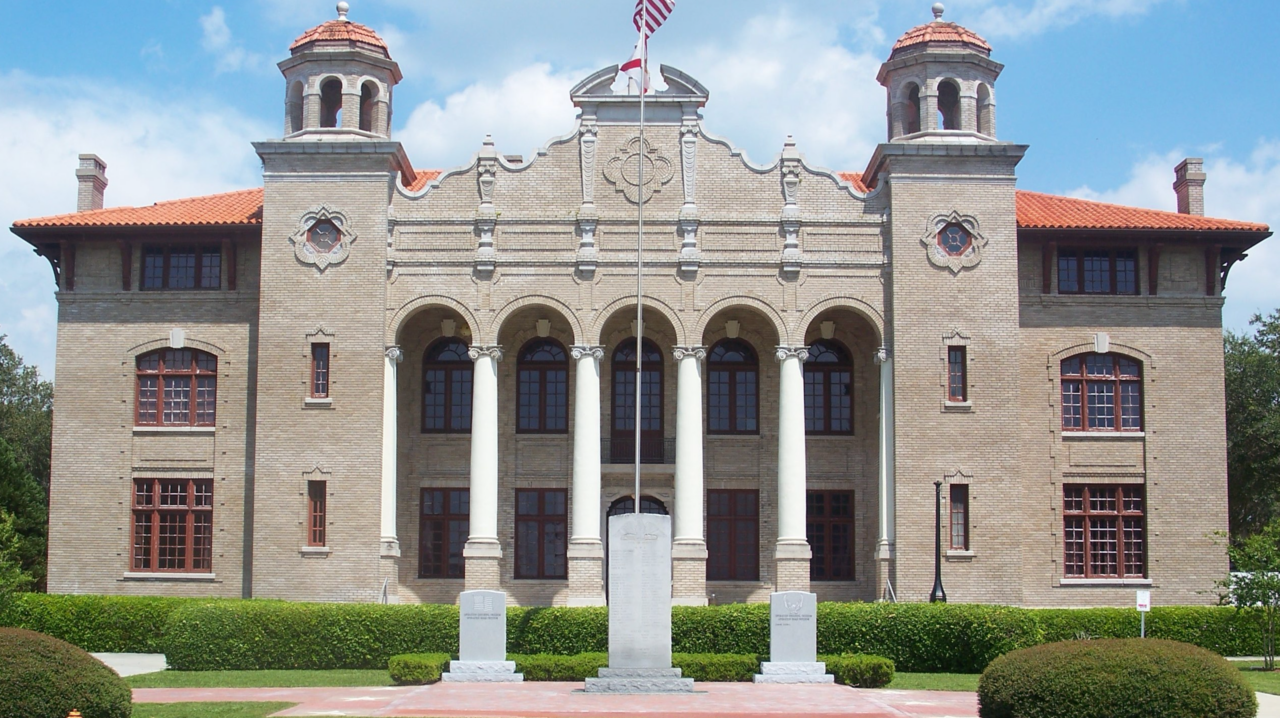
column 1046, row 211
column 230, row 208
column 855, row 179
column 341, row 31
column 421, row 178
column 945, row 32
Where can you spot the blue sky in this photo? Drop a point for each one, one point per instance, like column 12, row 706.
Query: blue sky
column 1110, row 94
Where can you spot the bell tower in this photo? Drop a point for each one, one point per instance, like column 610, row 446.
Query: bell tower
column 338, row 82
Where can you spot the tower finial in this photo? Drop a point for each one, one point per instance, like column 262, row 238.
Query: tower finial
column 343, row 8
column 938, row 9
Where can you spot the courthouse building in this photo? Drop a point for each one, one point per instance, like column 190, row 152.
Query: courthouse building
column 366, row 381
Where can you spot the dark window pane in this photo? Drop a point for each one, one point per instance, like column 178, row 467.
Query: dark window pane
column 1068, row 273
column 211, row 268
column 527, row 503
column 814, row 402
column 554, row 546
column 557, row 400
column 182, row 269
column 527, row 549
column 1126, row 273
column 1097, row 273
column 153, row 268
column 460, row 396
column 177, row 400
column 530, row 394
column 718, row 400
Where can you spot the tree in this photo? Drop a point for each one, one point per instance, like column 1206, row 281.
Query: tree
column 25, row 502
column 1254, row 584
column 1253, row 425
column 12, row 576
column 26, row 412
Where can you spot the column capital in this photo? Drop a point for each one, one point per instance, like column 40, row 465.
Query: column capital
column 784, row 353
column 579, row 351
column 395, row 354
column 882, row 355
column 492, row 351
column 697, row 352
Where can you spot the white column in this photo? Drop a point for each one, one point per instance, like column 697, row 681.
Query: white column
column 791, row 456
column 586, row 446
column 689, row 444
column 390, row 544
column 484, row 450
column 884, row 544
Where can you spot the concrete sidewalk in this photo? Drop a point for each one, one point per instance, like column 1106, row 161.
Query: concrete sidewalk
column 132, row 664
column 566, row 700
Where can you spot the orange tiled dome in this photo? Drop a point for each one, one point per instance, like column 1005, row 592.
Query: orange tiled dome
column 941, row 33
column 338, row 32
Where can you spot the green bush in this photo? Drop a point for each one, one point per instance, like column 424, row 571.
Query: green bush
column 558, row 631
column 741, row 628
column 1114, row 678
column 257, row 635
column 116, row 624
column 1220, row 629
column 716, row 667
column 416, row 669
column 860, row 670
column 550, row 667
column 44, row 677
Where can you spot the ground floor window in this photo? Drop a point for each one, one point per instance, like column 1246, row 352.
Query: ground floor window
column 443, row 528
column 959, row 517
column 173, row 525
column 1103, row 531
column 733, row 535
column 829, row 527
column 316, row 503
column 542, row 533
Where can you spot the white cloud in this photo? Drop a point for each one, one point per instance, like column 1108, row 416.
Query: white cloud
column 1246, row 189
column 155, row 149
column 1013, row 20
column 218, row 41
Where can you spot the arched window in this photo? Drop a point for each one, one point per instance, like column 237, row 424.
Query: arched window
column 368, row 97
column 294, row 105
column 948, row 105
column 447, row 372
column 622, row 442
column 732, row 382
column 542, row 399
column 912, row 123
column 177, row 387
column 1101, row 392
column 331, row 103
column 985, row 124
column 828, row 389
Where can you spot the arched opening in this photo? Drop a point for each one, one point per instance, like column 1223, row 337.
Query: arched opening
column 986, row 126
column 293, row 106
column 331, row 103
column 542, row 396
column 948, row 105
column 447, row 374
column 652, row 443
column 733, row 392
column 828, row 389
column 1101, row 392
column 912, row 120
column 368, row 98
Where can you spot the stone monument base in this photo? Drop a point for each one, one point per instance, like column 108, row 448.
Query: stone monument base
column 639, row 680
column 775, row 672
column 482, row 672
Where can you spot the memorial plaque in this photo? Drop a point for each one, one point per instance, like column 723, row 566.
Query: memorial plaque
column 793, row 627
column 482, row 626
column 640, row 591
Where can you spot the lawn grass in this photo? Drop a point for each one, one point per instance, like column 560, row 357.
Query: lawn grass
column 1262, row 681
column 261, row 679
column 207, row 710
column 934, row 682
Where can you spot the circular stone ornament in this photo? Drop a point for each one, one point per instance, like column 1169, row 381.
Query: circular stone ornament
column 952, row 241
column 323, row 237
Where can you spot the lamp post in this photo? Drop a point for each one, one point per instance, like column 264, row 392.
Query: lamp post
column 937, row 595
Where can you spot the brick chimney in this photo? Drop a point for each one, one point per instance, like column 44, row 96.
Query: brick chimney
column 92, row 178
column 1189, row 186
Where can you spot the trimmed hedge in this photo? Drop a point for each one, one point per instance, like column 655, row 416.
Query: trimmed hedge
column 113, row 624
column 416, row 669
column 1221, row 629
column 258, row 635
column 558, row 631
column 1114, row 678
column 860, row 670
column 716, row 667
column 44, row 677
column 551, row 667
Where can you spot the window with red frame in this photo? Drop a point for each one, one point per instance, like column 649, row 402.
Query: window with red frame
column 733, row 535
column 1101, row 392
column 541, row 533
column 173, row 525
column 542, row 396
column 828, row 389
column 957, row 374
column 959, row 517
column 1103, row 531
column 176, row 387
column 1097, row 271
column 829, row 526
column 319, row 371
column 443, row 527
column 181, row 267
column 732, row 397
column 316, row 512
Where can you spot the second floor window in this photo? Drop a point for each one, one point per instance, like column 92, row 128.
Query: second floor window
column 1097, row 271
column 959, row 517
column 316, row 504
column 181, row 267
column 447, row 372
column 1101, row 392
column 957, row 374
column 828, row 389
column 176, row 387
column 320, row 371
column 732, row 378
column 543, row 392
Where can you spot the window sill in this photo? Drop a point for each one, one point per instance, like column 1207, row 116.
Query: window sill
column 1104, row 435
column 1104, row 582
column 311, row 403
column 436, row 579
column 174, row 429
column 955, row 555
column 136, row 576
column 315, row 551
column 545, row 581
column 957, row 406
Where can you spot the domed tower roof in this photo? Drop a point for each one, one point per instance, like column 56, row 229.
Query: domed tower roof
column 340, row 34
column 939, row 35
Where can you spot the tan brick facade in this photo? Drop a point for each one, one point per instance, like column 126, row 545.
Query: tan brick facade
column 506, row 250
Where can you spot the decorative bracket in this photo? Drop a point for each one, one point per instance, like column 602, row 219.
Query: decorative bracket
column 792, row 261
column 486, row 259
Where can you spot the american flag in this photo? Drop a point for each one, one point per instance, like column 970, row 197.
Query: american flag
column 659, row 11
column 647, row 21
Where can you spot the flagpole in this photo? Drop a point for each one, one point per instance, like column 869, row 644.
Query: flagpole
column 644, row 76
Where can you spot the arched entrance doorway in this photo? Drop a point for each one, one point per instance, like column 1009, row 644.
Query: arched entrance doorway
column 626, row 505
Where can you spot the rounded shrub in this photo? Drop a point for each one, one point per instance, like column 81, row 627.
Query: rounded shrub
column 1114, row 678
column 416, row 669
column 44, row 677
column 860, row 670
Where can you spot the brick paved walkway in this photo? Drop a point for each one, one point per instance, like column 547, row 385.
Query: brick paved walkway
column 565, row 700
